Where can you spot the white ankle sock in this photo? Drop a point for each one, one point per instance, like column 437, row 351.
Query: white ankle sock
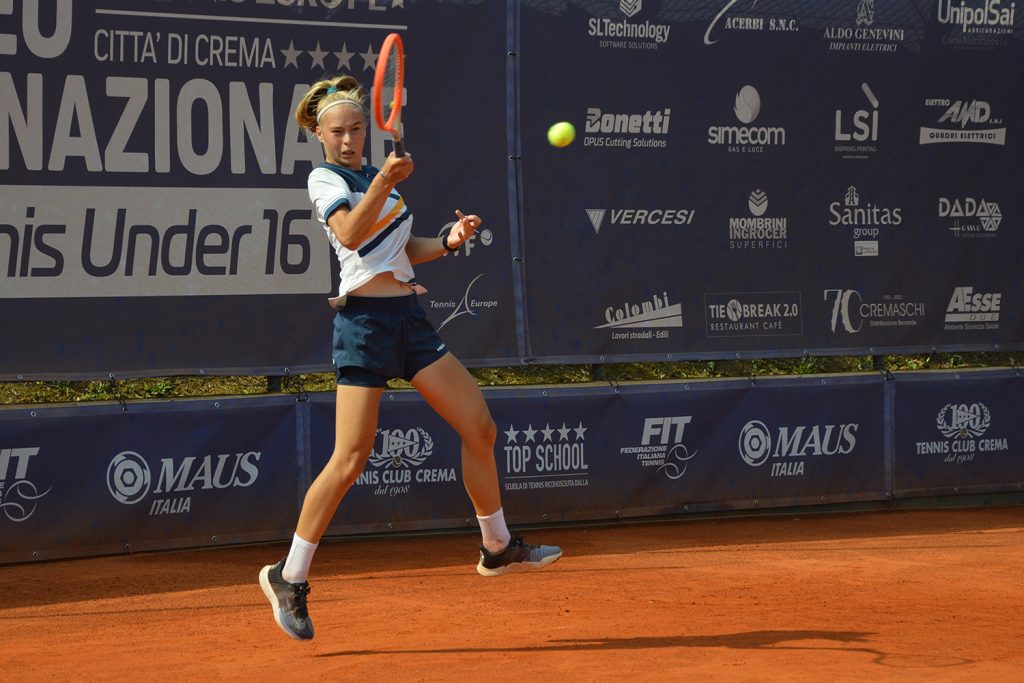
column 296, row 567
column 495, row 533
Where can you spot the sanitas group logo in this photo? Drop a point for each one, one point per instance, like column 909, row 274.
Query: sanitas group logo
column 753, row 314
column 971, row 310
column 861, row 32
column 655, row 316
column 970, row 217
column 758, row 231
column 865, row 222
column 546, row 458
column 640, row 217
column 850, row 312
column 661, row 446
column 790, row 448
column 747, row 138
column 630, row 33
column 733, row 19
column 965, row 121
column 18, row 493
column 963, row 425
column 129, row 478
column 626, row 131
column 978, row 24
column 857, row 133
column 396, row 462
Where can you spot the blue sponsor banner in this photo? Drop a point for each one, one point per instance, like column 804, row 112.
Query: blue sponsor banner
column 731, row 209
column 97, row 480
column 958, row 433
column 152, row 172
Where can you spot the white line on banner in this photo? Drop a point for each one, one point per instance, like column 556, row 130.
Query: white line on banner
column 251, row 20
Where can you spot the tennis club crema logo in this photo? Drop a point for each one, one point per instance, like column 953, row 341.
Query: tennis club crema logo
column 963, row 425
column 397, row 462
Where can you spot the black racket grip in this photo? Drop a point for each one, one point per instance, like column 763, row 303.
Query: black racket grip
column 399, row 148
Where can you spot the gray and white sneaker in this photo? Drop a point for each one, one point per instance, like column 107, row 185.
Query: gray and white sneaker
column 288, row 601
column 518, row 555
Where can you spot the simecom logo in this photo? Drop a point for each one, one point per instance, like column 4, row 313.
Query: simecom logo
column 747, row 138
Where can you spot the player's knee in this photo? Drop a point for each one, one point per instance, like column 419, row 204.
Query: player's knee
column 483, row 431
column 345, row 467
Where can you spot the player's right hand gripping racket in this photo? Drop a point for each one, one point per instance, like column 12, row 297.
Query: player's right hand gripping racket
column 388, row 81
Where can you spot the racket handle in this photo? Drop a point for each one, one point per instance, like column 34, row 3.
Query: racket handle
column 399, row 148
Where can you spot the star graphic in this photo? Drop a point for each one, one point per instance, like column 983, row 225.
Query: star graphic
column 345, row 57
column 318, row 56
column 563, row 433
column 579, row 431
column 511, row 433
column 369, row 58
column 547, row 432
column 529, row 433
column 291, row 55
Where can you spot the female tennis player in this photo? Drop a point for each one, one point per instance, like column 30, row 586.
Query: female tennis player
column 380, row 332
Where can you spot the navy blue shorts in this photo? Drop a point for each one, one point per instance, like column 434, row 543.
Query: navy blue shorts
column 380, row 338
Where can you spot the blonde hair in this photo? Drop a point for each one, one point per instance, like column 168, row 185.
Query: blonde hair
column 328, row 93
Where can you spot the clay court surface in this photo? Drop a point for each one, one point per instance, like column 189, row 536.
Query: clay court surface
column 907, row 596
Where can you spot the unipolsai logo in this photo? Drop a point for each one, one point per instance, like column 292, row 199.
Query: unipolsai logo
column 542, row 460
column 977, row 24
column 747, row 138
column 396, row 462
column 129, row 478
column 18, row 493
column 788, row 447
column 661, row 445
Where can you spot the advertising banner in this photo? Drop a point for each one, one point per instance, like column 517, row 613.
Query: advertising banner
column 152, row 174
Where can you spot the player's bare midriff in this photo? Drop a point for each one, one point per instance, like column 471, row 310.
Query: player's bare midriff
column 382, row 285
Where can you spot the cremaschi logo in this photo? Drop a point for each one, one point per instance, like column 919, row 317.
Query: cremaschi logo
column 546, row 458
column 970, row 216
column 397, row 462
column 758, row 231
column 747, row 138
column 963, row 425
column 655, row 315
column 18, row 493
column 850, row 311
column 857, row 133
column 630, row 33
column 735, row 17
column 129, row 479
column 753, row 314
column 789, row 447
column 661, row 445
column 963, row 121
column 641, row 217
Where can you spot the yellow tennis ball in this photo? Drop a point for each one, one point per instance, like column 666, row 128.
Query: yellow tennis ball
column 561, row 134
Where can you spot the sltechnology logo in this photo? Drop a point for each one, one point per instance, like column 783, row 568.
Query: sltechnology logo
column 630, row 32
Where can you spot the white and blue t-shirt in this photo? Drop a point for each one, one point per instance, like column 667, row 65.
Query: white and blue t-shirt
column 331, row 187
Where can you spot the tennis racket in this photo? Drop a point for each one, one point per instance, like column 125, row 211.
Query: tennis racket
column 388, row 81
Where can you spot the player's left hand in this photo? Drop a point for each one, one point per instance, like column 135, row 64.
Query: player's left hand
column 463, row 228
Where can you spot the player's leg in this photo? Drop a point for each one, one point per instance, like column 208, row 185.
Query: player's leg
column 452, row 392
column 285, row 583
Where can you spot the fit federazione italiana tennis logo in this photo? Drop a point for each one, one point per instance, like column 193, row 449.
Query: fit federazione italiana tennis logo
column 661, row 446
column 19, row 495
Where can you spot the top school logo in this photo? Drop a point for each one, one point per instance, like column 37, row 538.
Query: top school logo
column 963, row 121
column 629, row 33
